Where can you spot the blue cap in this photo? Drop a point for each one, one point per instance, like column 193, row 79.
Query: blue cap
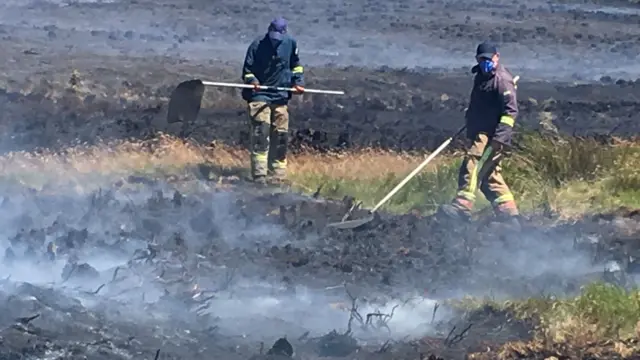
column 486, row 50
column 277, row 28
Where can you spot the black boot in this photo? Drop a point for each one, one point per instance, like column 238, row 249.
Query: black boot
column 453, row 212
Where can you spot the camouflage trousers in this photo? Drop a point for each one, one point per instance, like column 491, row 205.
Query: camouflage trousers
column 269, row 139
column 481, row 166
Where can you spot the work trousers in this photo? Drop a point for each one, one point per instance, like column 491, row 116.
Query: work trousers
column 481, row 166
column 269, row 125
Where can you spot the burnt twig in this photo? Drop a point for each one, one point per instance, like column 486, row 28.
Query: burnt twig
column 383, row 319
column 115, row 274
column 26, row 320
column 304, row 336
column 317, row 193
column 353, row 314
column 385, row 347
column 450, row 341
column 96, row 291
column 435, row 309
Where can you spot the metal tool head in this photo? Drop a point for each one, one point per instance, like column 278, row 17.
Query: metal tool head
column 185, row 101
column 351, row 224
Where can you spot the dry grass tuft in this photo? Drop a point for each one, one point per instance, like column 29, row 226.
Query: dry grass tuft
column 168, row 154
column 364, row 165
column 109, row 159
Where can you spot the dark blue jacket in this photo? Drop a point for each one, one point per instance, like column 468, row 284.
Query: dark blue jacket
column 493, row 107
column 279, row 67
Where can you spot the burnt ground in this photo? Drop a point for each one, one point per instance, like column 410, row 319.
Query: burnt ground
column 404, row 67
column 382, row 108
column 122, row 282
column 213, row 273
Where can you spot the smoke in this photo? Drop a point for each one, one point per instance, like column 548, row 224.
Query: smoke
column 151, row 256
column 248, row 299
column 531, row 263
column 258, row 310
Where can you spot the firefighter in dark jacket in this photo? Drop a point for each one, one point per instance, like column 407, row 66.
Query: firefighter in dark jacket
column 490, row 117
column 271, row 60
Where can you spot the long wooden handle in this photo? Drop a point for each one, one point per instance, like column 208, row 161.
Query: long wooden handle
column 249, row 86
column 417, row 170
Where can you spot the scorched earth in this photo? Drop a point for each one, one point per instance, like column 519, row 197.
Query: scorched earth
column 128, row 267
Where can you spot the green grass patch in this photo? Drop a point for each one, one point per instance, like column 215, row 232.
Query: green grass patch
column 600, row 312
column 425, row 191
column 562, row 174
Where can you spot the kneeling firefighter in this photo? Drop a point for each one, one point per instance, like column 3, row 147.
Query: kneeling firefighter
column 490, row 118
column 271, row 60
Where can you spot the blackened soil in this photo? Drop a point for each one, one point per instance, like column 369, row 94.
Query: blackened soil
column 126, row 72
column 192, row 274
column 391, row 109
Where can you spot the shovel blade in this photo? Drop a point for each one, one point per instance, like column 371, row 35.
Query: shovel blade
column 185, row 101
column 351, row 224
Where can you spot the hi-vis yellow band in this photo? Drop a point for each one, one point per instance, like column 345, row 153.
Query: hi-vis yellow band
column 507, row 120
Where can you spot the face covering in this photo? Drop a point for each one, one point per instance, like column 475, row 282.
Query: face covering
column 486, row 66
column 275, row 42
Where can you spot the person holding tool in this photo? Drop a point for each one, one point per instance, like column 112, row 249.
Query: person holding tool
column 490, row 118
column 272, row 60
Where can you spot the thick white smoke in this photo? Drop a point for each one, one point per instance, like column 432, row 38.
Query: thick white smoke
column 243, row 304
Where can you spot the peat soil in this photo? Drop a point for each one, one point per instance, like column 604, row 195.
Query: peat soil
column 104, row 69
column 388, row 109
column 126, row 272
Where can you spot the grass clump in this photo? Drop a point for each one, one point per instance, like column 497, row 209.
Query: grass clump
column 601, row 312
column 567, row 175
column 573, row 175
column 601, row 315
column 370, row 184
